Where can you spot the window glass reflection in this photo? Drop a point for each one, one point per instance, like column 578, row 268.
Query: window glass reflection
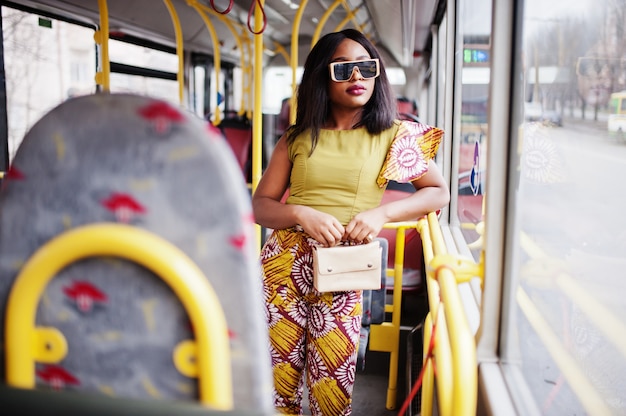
column 571, row 241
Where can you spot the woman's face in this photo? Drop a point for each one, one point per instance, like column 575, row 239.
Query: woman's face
column 357, row 91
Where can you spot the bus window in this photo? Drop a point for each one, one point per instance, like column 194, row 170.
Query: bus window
column 143, row 70
column 473, row 128
column 566, row 261
column 46, row 61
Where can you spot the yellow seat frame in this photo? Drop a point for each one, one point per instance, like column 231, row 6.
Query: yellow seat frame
column 27, row 344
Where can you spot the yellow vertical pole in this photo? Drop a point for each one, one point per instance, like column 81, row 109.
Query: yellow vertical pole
column 257, row 114
column 398, row 266
column 179, row 50
column 248, row 76
column 103, row 76
column 217, row 58
column 239, row 39
column 295, row 31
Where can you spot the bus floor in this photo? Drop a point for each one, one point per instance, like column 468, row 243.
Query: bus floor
column 370, row 389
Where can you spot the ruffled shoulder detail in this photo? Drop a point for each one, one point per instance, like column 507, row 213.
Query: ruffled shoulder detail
column 407, row 159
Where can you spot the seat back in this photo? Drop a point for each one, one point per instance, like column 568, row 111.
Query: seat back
column 413, row 263
column 124, row 160
column 238, row 134
column 407, row 109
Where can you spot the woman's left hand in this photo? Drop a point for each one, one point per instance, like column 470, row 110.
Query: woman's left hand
column 365, row 226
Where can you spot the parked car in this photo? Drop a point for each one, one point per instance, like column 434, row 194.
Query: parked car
column 533, row 111
column 552, row 117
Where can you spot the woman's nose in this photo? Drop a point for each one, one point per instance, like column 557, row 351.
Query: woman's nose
column 356, row 74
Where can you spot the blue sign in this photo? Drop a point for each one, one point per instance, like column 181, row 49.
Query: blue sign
column 475, row 173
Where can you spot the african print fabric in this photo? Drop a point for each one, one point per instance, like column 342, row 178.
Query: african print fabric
column 413, row 146
column 310, row 332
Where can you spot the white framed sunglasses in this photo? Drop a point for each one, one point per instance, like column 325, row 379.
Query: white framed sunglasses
column 343, row 71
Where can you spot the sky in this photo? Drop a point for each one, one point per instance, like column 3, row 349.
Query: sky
column 554, row 9
column 477, row 13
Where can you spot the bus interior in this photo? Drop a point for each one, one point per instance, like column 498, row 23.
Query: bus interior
column 135, row 132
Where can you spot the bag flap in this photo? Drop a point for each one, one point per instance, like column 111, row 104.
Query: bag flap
column 343, row 259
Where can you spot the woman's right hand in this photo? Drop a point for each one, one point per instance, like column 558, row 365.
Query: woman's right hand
column 324, row 228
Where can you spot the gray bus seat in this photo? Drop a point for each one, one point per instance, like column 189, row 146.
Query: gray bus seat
column 121, row 159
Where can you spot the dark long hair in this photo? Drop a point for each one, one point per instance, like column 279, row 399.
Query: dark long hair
column 313, row 105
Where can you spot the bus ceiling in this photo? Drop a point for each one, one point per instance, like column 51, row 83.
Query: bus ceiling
column 400, row 42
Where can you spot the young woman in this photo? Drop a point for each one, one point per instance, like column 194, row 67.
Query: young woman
column 335, row 160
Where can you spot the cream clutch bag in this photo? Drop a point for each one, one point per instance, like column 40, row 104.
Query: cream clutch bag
column 344, row 267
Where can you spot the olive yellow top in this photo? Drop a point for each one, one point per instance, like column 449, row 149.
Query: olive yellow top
column 340, row 176
column 349, row 169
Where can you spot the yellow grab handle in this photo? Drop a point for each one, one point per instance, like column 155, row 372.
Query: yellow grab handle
column 147, row 249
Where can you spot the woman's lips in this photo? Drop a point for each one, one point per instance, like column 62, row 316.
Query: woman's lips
column 356, row 90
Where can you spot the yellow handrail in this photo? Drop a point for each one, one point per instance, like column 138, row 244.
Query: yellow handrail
column 464, row 361
column 179, row 49
column 350, row 15
column 293, row 62
column 329, row 11
column 322, row 21
column 26, row 343
column 428, row 389
column 217, row 58
column 241, row 40
column 280, row 49
column 385, row 337
column 442, row 350
column 455, row 348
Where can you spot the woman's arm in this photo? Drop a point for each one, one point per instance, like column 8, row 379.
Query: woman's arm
column 266, row 201
column 271, row 213
column 431, row 194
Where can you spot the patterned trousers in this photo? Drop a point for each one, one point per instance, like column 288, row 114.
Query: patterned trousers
column 309, row 330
